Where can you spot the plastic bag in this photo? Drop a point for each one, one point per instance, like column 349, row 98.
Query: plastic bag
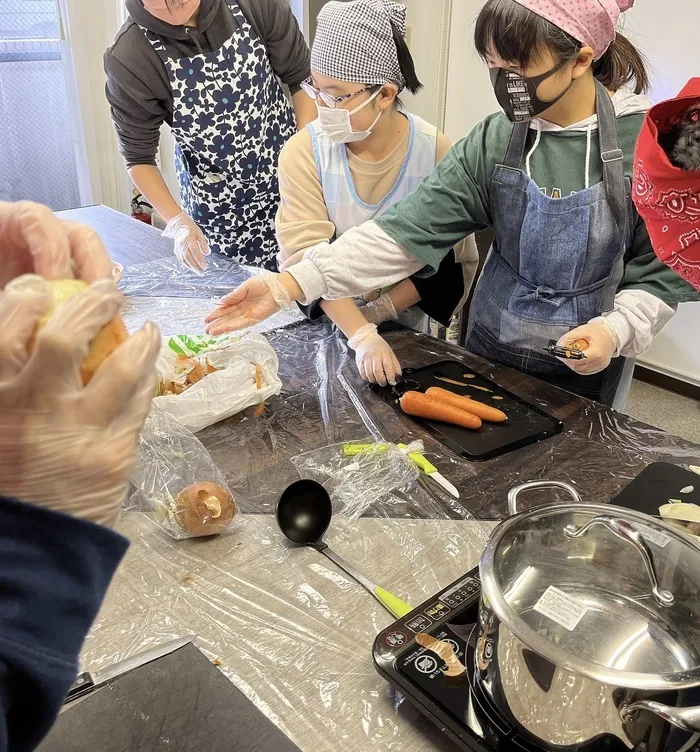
column 177, row 481
column 357, row 475
column 231, row 388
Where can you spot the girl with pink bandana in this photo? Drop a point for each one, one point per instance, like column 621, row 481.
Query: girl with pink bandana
column 551, row 175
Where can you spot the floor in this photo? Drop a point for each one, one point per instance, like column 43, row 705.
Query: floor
column 674, row 413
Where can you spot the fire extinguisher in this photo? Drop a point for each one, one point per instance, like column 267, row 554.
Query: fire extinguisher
column 141, row 209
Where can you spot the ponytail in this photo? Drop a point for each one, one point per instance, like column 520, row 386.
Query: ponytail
column 408, row 68
column 621, row 65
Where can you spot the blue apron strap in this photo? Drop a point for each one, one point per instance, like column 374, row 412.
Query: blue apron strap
column 516, row 146
column 237, row 13
column 613, row 159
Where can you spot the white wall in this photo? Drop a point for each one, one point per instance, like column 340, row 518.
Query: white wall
column 670, row 41
column 470, row 97
column 429, row 41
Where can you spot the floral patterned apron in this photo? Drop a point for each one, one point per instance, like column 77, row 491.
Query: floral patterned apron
column 230, row 121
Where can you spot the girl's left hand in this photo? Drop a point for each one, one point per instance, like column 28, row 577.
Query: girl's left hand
column 601, row 348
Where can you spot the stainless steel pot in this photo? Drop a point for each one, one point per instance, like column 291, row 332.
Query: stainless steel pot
column 590, row 626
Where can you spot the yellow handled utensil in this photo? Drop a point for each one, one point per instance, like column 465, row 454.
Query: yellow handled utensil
column 352, row 450
column 431, row 471
column 303, row 514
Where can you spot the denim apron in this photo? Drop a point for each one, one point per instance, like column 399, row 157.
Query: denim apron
column 555, row 264
column 230, row 122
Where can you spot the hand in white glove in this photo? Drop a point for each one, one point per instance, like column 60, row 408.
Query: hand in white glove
column 602, row 346
column 66, row 446
column 191, row 247
column 34, row 240
column 375, row 359
column 255, row 300
column 380, row 310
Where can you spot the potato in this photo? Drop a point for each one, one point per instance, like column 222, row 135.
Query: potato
column 107, row 340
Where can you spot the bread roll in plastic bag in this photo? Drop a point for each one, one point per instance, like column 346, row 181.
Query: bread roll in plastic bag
column 177, row 481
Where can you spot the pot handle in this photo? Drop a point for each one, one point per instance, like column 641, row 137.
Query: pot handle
column 623, row 530
column 687, row 719
column 513, row 493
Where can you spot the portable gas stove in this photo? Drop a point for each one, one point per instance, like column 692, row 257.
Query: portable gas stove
column 457, row 704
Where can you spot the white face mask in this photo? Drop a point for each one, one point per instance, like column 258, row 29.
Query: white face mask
column 335, row 123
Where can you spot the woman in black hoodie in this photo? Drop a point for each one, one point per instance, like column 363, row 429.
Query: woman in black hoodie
column 211, row 69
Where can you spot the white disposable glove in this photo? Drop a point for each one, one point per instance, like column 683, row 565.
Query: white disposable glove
column 380, row 310
column 375, row 360
column 34, row 240
column 66, row 446
column 255, row 300
column 191, row 247
column 602, row 346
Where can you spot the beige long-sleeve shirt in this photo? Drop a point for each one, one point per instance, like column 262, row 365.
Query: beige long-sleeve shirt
column 302, row 217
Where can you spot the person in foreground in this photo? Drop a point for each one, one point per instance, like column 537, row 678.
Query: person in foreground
column 361, row 156
column 66, row 455
column 571, row 260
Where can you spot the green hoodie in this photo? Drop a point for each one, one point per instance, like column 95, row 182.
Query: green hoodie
column 454, row 201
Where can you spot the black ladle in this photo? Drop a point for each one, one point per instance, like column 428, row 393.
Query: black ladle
column 304, row 513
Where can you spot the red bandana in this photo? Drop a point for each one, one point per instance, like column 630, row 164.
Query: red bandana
column 667, row 197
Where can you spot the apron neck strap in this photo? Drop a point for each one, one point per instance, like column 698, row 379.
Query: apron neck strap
column 612, row 157
column 516, row 146
column 236, row 12
column 610, row 154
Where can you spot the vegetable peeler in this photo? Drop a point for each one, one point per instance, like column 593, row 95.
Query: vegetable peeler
column 572, row 352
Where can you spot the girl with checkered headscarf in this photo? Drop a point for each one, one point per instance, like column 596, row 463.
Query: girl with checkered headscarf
column 362, row 155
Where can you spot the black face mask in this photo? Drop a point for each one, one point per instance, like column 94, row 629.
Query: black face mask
column 517, row 94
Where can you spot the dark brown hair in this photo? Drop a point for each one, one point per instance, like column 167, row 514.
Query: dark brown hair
column 518, row 35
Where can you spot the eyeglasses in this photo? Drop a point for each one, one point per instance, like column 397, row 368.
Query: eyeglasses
column 328, row 99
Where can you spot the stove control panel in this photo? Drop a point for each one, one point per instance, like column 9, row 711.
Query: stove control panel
column 444, row 608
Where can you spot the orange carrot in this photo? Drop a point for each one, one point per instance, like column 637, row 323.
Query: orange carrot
column 489, row 414
column 423, row 406
column 258, row 376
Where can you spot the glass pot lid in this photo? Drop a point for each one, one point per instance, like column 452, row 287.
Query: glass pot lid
column 608, row 592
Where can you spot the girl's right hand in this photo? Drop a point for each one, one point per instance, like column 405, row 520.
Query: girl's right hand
column 375, row 359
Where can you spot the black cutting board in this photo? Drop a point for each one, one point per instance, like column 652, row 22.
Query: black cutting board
column 526, row 424
column 656, row 485
column 179, row 703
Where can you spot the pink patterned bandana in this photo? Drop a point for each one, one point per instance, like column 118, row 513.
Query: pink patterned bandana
column 591, row 22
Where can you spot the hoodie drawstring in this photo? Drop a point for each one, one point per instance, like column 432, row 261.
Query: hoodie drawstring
column 532, row 151
column 589, row 135
column 195, row 38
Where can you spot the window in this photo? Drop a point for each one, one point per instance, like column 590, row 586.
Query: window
column 38, row 145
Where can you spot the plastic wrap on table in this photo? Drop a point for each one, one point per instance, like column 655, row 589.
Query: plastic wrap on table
column 178, row 315
column 245, row 374
column 177, row 483
column 168, row 278
column 356, row 481
column 292, row 631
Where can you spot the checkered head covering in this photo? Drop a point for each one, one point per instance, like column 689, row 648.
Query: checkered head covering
column 354, row 42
